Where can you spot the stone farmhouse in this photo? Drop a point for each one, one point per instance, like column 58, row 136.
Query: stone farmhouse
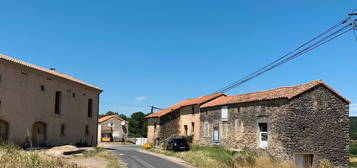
column 45, row 107
column 113, row 128
column 181, row 119
column 303, row 123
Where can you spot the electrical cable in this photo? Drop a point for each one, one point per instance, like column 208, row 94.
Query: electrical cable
column 283, row 59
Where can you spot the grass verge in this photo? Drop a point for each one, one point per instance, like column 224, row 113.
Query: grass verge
column 213, row 157
column 12, row 156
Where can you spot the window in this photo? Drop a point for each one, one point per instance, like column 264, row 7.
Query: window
column 193, row 110
column 90, row 107
column 111, row 124
column 263, row 135
column 58, row 102
column 63, row 128
column 73, row 94
column 186, row 130
column 193, row 127
column 224, row 113
column 155, row 126
column 42, row 87
column 87, row 130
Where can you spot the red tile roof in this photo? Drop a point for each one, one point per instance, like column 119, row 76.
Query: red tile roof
column 105, row 118
column 278, row 93
column 193, row 101
column 57, row 74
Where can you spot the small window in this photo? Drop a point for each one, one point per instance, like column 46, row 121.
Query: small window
column 263, row 127
column 73, row 94
column 58, row 101
column 193, row 127
column 155, row 126
column 186, row 130
column 90, row 108
column 193, row 110
column 0, row 78
column 224, row 113
column 87, row 130
column 111, row 124
column 42, row 87
column 63, row 129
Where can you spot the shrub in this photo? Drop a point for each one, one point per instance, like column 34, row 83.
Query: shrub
column 353, row 148
column 188, row 138
column 324, row 163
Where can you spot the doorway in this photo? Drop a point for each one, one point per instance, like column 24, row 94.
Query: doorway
column 304, row 160
column 4, row 131
column 39, row 133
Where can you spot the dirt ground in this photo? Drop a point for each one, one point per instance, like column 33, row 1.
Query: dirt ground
column 90, row 162
column 85, row 162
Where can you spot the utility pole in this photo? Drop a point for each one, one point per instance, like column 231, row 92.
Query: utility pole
column 152, row 109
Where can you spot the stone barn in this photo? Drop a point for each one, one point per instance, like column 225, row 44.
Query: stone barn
column 45, row 107
column 304, row 123
column 181, row 119
column 113, row 127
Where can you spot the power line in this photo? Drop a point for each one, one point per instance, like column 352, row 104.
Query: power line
column 285, row 57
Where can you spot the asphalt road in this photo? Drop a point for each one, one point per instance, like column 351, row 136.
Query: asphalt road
column 136, row 159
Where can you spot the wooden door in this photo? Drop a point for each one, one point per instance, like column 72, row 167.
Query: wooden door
column 39, row 134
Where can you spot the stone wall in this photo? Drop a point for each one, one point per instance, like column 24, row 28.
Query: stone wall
column 241, row 130
column 169, row 125
column 119, row 131
column 316, row 122
column 191, row 118
column 153, row 133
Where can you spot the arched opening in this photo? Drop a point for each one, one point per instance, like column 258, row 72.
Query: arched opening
column 4, row 131
column 39, row 133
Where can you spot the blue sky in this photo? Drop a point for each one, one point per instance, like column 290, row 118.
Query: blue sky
column 161, row 52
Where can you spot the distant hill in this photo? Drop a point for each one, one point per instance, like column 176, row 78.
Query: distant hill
column 353, row 128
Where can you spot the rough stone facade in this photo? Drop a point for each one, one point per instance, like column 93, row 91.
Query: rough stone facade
column 182, row 122
column 114, row 125
column 315, row 122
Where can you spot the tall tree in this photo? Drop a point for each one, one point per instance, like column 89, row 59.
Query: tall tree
column 138, row 125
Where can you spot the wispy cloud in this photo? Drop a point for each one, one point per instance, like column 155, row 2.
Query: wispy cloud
column 353, row 110
column 141, row 98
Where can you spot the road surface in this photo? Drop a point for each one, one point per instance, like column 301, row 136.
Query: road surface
column 131, row 156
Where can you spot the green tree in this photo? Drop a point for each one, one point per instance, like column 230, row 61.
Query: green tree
column 106, row 114
column 138, row 125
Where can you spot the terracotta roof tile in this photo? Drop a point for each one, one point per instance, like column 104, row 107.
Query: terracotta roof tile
column 283, row 92
column 105, row 118
column 193, row 101
column 57, row 74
